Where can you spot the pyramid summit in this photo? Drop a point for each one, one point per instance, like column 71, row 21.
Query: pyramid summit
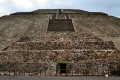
column 59, row 41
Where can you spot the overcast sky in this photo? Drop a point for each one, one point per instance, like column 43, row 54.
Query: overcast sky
column 112, row 7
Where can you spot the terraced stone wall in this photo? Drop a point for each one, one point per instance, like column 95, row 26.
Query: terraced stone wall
column 46, row 62
column 62, row 45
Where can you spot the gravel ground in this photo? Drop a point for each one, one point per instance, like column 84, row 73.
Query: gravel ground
column 56, row 78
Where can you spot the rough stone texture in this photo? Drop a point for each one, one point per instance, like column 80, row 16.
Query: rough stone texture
column 56, row 78
column 13, row 27
column 29, row 48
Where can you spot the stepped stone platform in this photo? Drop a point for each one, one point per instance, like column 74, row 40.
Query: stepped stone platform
column 60, row 47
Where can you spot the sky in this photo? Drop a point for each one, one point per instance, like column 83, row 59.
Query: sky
column 111, row 7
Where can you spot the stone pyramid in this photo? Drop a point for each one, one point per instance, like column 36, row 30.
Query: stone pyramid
column 61, row 49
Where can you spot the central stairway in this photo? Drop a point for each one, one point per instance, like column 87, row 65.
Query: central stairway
column 60, row 22
column 60, row 25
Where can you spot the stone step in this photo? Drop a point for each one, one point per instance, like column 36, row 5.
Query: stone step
column 61, row 45
column 67, row 17
column 54, row 16
column 60, row 25
column 60, row 16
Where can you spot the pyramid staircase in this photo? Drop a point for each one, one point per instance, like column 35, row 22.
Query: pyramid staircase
column 60, row 25
column 60, row 22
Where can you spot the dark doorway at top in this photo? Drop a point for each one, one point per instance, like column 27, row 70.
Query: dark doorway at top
column 60, row 11
column 63, row 67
